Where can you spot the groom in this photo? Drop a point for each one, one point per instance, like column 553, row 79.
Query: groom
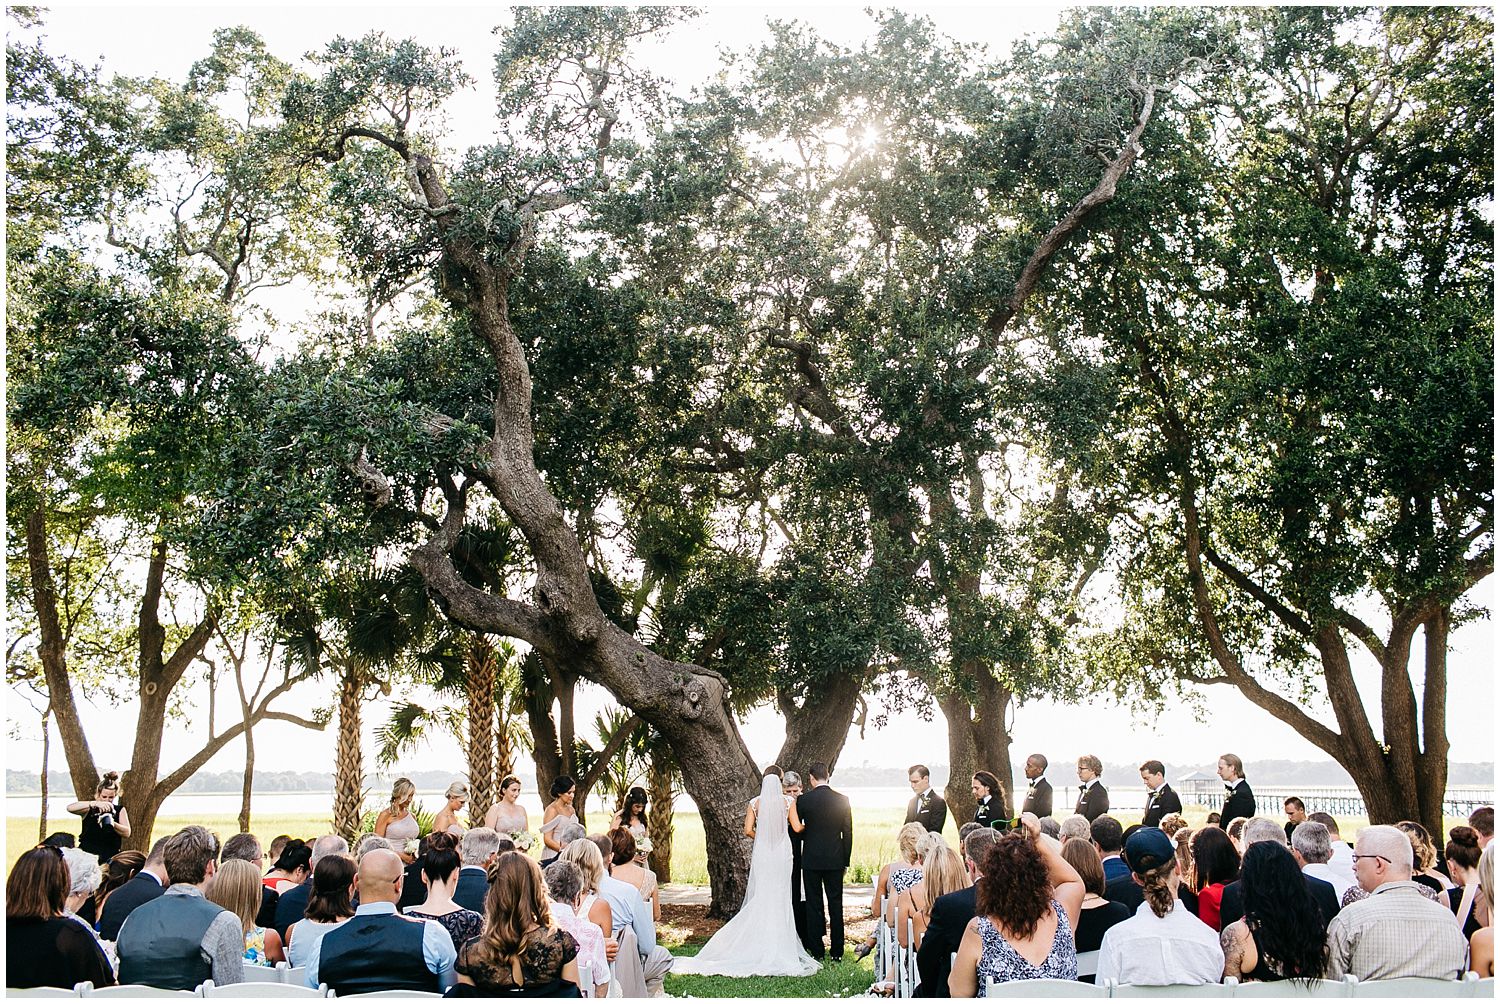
column 827, row 843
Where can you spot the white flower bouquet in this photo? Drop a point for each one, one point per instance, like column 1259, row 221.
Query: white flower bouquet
column 643, row 845
column 523, row 839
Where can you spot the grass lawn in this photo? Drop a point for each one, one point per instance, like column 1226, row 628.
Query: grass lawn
column 845, row 978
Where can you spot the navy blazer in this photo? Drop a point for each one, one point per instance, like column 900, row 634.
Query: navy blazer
column 141, row 889
column 945, row 929
column 292, row 907
column 473, row 887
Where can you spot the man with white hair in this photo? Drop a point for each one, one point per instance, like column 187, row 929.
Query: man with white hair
column 477, row 850
column 1313, row 847
column 1258, row 829
column 1396, row 931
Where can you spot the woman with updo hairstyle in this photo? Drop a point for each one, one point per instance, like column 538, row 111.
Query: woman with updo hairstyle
column 508, row 816
column 632, row 811
column 440, row 875
column 291, row 869
column 396, row 822
column 559, row 811
column 521, row 948
column 1424, row 857
column 105, row 823
column 1026, row 904
column 44, row 947
column 1281, row 936
column 1462, row 854
column 1482, row 943
column 330, row 904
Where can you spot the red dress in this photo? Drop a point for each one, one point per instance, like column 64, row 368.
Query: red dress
column 1210, row 899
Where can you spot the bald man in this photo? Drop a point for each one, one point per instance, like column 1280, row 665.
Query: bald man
column 1397, row 931
column 379, row 949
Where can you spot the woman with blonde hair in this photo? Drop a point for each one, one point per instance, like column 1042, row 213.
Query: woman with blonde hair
column 396, row 822
column 105, row 824
column 943, row 872
column 236, row 887
column 1424, row 858
column 446, row 821
column 896, row 877
column 586, row 855
column 521, row 948
column 1482, row 942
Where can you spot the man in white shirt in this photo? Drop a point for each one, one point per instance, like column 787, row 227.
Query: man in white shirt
column 1167, row 948
column 1341, row 855
column 1312, row 848
column 627, row 909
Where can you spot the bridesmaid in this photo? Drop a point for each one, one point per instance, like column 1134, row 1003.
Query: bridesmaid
column 395, row 822
column 508, row 815
column 446, row 821
column 559, row 810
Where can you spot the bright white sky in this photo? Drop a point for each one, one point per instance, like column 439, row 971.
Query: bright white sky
column 166, row 40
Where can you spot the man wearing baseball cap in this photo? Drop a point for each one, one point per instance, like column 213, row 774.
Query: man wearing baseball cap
column 1163, row 944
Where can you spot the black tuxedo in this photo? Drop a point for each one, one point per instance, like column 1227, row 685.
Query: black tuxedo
column 413, row 889
column 987, row 812
column 1039, row 799
column 1161, row 802
column 827, row 844
column 945, row 929
column 1094, row 802
column 929, row 809
column 1237, row 804
column 473, row 886
column 141, row 889
column 1232, row 905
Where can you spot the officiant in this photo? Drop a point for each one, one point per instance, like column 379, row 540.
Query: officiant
column 791, row 786
column 927, row 807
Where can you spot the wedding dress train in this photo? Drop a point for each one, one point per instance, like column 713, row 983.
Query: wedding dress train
column 760, row 940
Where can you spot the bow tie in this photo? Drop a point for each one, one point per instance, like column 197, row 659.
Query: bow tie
column 1031, row 786
column 1230, row 788
column 1082, row 788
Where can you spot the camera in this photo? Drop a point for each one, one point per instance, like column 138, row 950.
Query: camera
column 106, row 819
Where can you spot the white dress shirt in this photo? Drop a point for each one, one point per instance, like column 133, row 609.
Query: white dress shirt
column 1147, row 950
column 1323, row 871
column 1342, row 862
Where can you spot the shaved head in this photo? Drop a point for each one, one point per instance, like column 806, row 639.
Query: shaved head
column 379, row 876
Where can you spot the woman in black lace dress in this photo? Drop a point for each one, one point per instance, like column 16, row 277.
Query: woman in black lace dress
column 43, row 946
column 521, row 950
column 440, row 875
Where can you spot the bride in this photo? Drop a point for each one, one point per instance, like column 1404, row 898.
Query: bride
column 760, row 940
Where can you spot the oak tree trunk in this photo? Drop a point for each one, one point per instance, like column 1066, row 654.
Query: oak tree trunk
column 817, row 728
column 249, row 780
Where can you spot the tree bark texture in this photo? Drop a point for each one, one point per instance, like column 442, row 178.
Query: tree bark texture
column 661, row 789
column 817, row 728
column 479, row 687
column 349, row 776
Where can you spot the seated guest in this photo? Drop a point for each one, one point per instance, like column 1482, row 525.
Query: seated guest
column 1026, row 908
column 236, row 887
column 368, row 842
column 1312, row 847
column 942, row 872
column 1075, row 827
column 1216, row 863
column 180, row 940
column 1097, row 914
column 121, row 869
column 1163, row 944
column 440, row 875
column 378, row 949
column 477, row 850
column 966, row 829
column 149, row 883
column 1483, row 820
column 246, row 847
column 1424, row 854
column 413, row 892
column 43, row 946
column 521, row 948
column 291, row 869
column 1186, row 874
column 292, row 906
column 62, row 840
column 565, row 888
column 1482, row 943
column 329, row 905
column 1281, row 935
column 1259, row 829
column 1172, row 822
column 586, row 855
column 623, row 865
column 628, row 910
column 1396, row 931
column 950, row 916
column 1236, row 830
column 1052, row 827
column 1341, row 860
column 278, row 844
column 84, row 877
column 896, row 877
column 1109, row 839
column 1462, row 854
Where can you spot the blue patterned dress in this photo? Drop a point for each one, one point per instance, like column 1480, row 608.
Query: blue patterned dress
column 1000, row 963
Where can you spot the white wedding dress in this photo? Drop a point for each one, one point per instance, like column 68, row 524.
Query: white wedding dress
column 760, row 940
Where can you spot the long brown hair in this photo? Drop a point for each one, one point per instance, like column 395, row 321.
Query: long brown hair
column 516, row 912
column 1157, row 888
column 38, row 885
column 1014, row 889
column 121, row 869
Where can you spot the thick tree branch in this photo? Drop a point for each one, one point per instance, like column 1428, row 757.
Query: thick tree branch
column 1284, row 613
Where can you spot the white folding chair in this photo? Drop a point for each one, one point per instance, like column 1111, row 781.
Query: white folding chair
column 408, row 994
column 1205, row 990
column 1479, row 986
column 1407, row 987
column 1044, row 988
column 262, row 991
column 1088, row 963
column 262, row 974
column 43, row 992
column 1295, row 989
column 133, row 990
column 294, row 975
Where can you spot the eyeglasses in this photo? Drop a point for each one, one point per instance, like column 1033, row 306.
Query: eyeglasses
column 1381, row 857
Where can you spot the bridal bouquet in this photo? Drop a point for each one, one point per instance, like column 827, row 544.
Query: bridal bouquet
column 523, row 839
column 643, row 845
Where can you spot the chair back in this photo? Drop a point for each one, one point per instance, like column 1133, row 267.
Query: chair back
column 1088, row 963
column 133, row 990
column 44, row 992
column 295, row 975
column 262, row 991
column 261, row 974
column 1204, row 990
column 1295, row 989
column 1044, row 988
column 1409, row 987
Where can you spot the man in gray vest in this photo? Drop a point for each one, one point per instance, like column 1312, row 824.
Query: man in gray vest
column 179, row 940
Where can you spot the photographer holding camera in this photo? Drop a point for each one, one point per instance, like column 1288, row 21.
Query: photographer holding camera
column 104, row 821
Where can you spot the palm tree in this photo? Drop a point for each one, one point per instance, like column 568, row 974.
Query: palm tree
column 663, row 783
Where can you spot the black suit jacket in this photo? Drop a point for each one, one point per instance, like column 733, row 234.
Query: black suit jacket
column 828, row 830
column 292, row 907
column 933, row 816
column 1039, row 799
column 1241, row 803
column 1094, row 803
column 945, row 929
column 985, row 814
column 141, row 889
column 266, row 915
column 473, row 886
column 413, row 891
column 1161, row 802
column 1232, row 906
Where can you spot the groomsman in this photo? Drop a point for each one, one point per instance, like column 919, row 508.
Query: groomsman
column 1238, row 799
column 1038, row 789
column 1093, row 797
column 1161, row 800
column 990, row 799
column 928, row 807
